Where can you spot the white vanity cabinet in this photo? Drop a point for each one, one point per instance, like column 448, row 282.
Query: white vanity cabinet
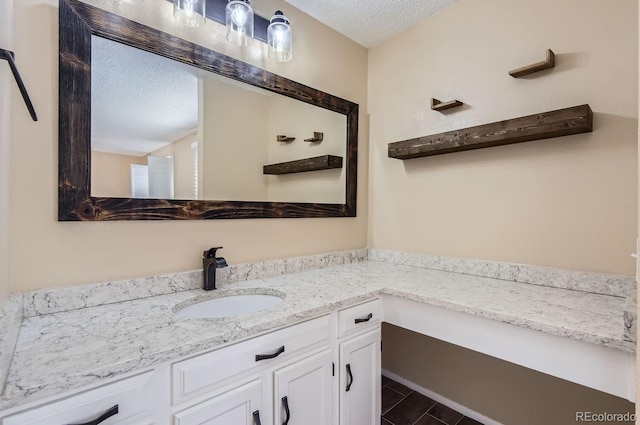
column 360, row 379
column 284, row 377
column 240, row 406
column 130, row 401
column 298, row 393
column 360, row 363
column 303, row 391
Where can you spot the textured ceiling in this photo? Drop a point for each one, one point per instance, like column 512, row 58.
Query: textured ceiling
column 369, row 23
column 140, row 102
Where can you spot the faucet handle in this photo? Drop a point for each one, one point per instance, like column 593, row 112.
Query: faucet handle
column 211, row 253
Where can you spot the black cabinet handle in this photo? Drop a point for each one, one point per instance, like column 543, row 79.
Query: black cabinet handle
column 366, row 319
column 285, row 403
column 256, row 418
column 109, row 413
column 270, row 356
column 350, row 376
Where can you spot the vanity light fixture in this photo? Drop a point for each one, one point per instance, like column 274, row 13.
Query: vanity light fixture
column 239, row 20
column 190, row 12
column 280, row 38
column 242, row 24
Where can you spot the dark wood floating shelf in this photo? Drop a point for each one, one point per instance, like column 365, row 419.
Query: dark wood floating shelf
column 317, row 137
column 324, row 162
column 549, row 62
column 436, row 105
column 283, row 138
column 563, row 122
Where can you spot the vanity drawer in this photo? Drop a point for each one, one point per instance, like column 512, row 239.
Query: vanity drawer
column 359, row 316
column 201, row 374
column 134, row 397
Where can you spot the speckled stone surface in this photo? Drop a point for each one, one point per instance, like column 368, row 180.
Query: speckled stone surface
column 598, row 283
column 65, row 350
column 631, row 316
column 60, row 299
column 10, row 322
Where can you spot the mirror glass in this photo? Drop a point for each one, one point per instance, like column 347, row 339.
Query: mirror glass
column 154, row 127
column 166, row 130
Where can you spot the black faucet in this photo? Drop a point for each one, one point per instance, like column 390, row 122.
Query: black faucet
column 210, row 263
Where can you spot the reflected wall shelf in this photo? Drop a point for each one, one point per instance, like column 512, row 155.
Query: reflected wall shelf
column 562, row 122
column 324, row 162
column 549, row 62
column 284, row 138
column 436, row 105
column 317, row 137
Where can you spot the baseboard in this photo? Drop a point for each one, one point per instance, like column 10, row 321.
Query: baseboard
column 441, row 399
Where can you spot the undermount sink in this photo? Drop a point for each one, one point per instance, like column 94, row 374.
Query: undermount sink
column 230, row 305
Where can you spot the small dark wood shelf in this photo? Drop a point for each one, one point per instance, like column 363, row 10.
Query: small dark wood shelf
column 283, row 138
column 562, row 122
column 436, row 105
column 317, row 137
column 549, row 62
column 324, row 162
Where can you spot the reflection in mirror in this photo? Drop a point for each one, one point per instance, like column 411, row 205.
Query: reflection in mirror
column 192, row 170
column 166, row 130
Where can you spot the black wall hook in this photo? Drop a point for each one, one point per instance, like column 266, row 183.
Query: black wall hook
column 8, row 56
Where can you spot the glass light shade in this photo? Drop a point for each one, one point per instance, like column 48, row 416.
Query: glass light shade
column 190, row 12
column 280, row 38
column 239, row 17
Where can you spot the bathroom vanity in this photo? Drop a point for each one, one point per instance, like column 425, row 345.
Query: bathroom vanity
column 315, row 357
column 292, row 375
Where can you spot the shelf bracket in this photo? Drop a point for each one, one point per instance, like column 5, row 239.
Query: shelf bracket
column 549, row 62
column 436, row 105
column 9, row 57
column 317, row 137
column 283, row 138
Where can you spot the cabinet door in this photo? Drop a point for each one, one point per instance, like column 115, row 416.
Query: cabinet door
column 240, row 406
column 360, row 380
column 304, row 392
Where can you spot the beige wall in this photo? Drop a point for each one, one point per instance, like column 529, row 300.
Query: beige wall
column 567, row 202
column 500, row 390
column 111, row 174
column 85, row 252
column 233, row 149
column 6, row 27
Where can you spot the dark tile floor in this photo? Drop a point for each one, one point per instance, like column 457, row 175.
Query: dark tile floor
column 403, row 406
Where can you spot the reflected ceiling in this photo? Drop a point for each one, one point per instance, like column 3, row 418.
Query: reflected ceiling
column 135, row 111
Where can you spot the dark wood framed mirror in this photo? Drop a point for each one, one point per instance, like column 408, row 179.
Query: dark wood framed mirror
column 79, row 22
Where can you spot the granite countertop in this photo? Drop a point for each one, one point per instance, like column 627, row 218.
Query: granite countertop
column 60, row 351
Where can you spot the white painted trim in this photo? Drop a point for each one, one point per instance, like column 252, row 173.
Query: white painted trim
column 441, row 399
column 602, row 368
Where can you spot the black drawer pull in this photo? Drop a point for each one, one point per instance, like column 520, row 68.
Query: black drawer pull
column 350, row 376
column 285, row 403
column 256, row 418
column 366, row 319
column 109, row 413
column 270, row 356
